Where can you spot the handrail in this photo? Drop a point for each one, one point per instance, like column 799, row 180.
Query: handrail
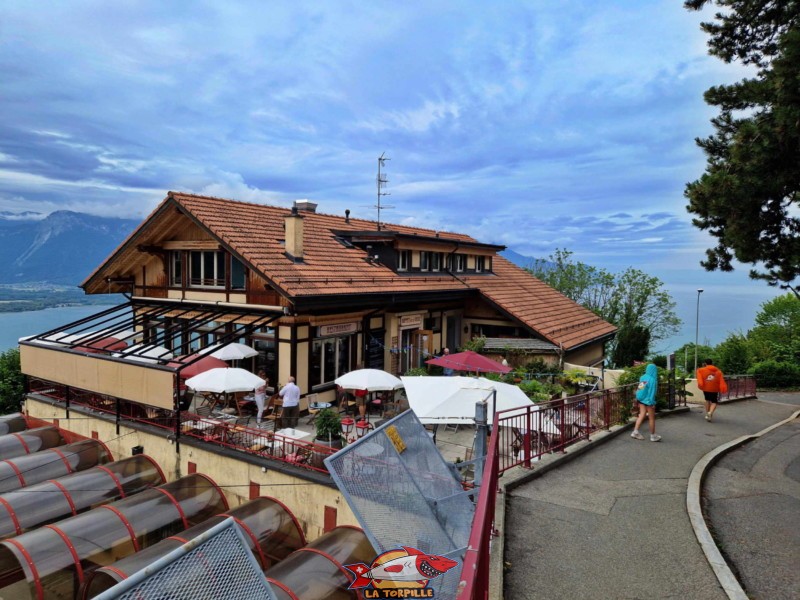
column 474, row 582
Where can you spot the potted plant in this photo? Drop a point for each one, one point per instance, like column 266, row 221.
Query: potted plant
column 328, row 432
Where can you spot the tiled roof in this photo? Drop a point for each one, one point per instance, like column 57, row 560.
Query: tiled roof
column 255, row 232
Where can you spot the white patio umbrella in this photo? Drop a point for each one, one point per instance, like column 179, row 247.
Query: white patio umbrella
column 372, row 380
column 227, row 380
column 234, row 351
column 147, row 353
column 452, row 399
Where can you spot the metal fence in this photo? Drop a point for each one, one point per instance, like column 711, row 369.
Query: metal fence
column 740, row 386
column 474, row 583
column 217, row 430
column 217, row 565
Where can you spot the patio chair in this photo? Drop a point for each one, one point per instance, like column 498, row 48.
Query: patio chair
column 312, row 412
column 273, row 411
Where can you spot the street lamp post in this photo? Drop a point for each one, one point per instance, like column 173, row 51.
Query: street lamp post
column 697, row 328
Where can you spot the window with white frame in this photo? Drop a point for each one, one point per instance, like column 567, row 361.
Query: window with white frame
column 480, row 264
column 424, row 261
column 436, row 261
column 206, row 268
column 330, row 358
column 403, row 260
column 456, row 262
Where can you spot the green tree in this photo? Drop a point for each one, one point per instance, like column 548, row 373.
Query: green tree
column 632, row 300
column 589, row 286
column 749, row 194
column 776, row 334
column 633, row 344
column 12, row 381
column 734, row 356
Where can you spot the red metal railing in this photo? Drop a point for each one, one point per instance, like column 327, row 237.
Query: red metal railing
column 740, row 386
column 526, row 433
column 474, row 583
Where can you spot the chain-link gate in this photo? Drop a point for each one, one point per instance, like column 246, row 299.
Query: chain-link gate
column 217, row 565
column 402, row 492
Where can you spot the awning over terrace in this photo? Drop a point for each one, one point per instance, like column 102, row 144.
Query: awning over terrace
column 141, row 367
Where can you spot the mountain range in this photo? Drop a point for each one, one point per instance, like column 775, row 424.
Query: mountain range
column 61, row 248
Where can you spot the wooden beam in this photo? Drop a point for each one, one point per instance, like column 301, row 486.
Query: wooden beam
column 191, row 245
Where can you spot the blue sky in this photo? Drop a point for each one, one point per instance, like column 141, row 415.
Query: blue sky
column 532, row 124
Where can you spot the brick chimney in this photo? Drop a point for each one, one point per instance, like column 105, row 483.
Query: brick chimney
column 294, row 235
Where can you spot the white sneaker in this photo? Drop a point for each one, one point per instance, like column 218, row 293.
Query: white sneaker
column 637, row 436
column 655, row 438
column 708, row 416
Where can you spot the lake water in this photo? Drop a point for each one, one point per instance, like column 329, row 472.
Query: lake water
column 724, row 309
column 15, row 325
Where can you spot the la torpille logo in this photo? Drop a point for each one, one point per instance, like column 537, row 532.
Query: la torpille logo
column 401, row 573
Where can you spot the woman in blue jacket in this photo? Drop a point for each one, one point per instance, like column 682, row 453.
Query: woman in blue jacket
column 646, row 395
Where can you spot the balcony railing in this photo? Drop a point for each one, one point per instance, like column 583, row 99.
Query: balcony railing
column 220, row 431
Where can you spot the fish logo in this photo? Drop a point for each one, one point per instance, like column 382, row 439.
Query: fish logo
column 404, row 567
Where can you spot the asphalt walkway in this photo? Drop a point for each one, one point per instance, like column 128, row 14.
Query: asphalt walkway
column 752, row 504
column 613, row 523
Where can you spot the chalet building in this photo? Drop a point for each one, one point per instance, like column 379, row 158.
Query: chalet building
column 320, row 295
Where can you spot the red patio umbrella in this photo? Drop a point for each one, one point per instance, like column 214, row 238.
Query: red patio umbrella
column 468, row 361
column 201, row 366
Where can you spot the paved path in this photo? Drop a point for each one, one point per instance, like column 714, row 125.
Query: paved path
column 752, row 504
column 613, row 522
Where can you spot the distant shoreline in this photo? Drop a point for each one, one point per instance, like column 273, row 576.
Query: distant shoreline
column 14, row 300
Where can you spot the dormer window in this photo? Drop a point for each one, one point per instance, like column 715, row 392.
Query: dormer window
column 436, row 261
column 456, row 263
column 424, row 261
column 480, row 264
column 403, row 260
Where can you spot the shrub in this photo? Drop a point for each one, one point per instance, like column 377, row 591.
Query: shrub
column 534, row 390
column 328, row 425
column 416, row 372
column 539, row 367
column 476, row 344
column 772, row 373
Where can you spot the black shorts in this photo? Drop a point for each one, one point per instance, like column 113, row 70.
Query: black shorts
column 712, row 397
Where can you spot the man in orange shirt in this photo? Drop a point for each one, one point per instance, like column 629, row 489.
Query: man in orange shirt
column 711, row 383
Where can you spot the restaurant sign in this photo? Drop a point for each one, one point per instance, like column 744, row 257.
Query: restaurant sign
column 338, row 329
column 411, row 321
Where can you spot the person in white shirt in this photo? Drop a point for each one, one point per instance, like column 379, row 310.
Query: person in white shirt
column 291, row 403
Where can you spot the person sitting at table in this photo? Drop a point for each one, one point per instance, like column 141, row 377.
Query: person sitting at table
column 291, row 403
column 261, row 395
column 361, row 403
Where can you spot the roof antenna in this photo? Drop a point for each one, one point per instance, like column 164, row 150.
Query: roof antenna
column 382, row 180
